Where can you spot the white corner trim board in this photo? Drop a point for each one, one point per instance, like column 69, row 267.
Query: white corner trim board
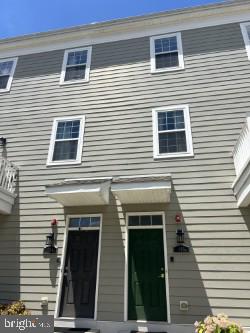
column 246, row 36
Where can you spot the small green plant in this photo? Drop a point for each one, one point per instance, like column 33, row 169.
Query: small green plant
column 217, row 324
column 15, row 308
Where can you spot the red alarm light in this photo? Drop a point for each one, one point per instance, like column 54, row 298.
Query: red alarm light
column 54, row 222
column 178, row 218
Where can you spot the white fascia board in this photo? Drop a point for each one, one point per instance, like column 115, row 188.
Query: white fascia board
column 165, row 184
column 142, row 192
column 66, row 194
column 125, row 29
column 244, row 198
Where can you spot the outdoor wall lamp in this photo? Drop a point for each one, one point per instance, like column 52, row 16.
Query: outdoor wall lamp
column 50, row 244
column 3, row 141
column 180, row 236
column 180, row 239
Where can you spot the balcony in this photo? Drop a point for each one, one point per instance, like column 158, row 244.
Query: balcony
column 8, row 173
column 241, row 156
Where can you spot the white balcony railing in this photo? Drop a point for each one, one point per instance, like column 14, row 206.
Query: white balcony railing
column 8, row 172
column 241, row 156
column 241, row 152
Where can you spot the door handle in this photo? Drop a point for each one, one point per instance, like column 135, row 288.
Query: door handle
column 161, row 276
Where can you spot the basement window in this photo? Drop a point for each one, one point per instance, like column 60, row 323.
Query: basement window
column 76, row 66
column 7, row 69
column 66, row 141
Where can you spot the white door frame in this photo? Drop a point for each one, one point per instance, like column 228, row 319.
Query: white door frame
column 163, row 227
column 64, row 251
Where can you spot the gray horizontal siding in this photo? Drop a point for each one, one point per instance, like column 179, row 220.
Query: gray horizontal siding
column 117, row 102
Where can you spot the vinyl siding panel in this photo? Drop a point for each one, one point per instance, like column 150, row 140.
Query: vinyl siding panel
column 117, row 102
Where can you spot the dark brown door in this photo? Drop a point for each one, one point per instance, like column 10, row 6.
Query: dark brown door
column 146, row 276
column 79, row 277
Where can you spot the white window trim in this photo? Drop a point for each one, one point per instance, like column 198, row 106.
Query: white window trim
column 188, row 132
column 180, row 53
column 78, row 159
column 243, row 27
column 64, row 65
column 63, row 261
column 11, row 73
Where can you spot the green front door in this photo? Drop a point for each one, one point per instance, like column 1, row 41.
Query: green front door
column 146, row 275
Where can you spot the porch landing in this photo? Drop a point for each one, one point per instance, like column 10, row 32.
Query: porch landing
column 64, row 325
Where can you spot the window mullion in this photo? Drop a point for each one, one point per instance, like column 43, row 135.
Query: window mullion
column 69, row 139
column 165, row 52
column 172, row 131
column 76, row 65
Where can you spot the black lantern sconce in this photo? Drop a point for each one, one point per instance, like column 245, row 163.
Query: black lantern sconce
column 180, row 239
column 3, row 141
column 180, row 236
column 50, row 244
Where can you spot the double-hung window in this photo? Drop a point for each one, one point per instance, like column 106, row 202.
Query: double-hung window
column 76, row 65
column 166, row 53
column 172, row 132
column 245, row 29
column 66, row 141
column 7, row 69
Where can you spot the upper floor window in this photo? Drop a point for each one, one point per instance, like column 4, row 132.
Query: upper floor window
column 166, row 53
column 172, row 132
column 76, row 65
column 7, row 69
column 245, row 29
column 66, row 141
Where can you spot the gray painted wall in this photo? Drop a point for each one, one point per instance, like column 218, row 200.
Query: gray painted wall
column 118, row 102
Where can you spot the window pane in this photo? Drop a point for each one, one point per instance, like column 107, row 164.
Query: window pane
column 166, row 44
column 95, row 221
column 75, row 73
column 5, row 67
column 171, row 120
column 74, row 222
column 65, row 150
column 85, row 222
column 77, row 57
column 68, row 129
column 172, row 142
column 133, row 220
column 3, row 81
column 248, row 31
column 167, row 60
column 156, row 220
column 145, row 220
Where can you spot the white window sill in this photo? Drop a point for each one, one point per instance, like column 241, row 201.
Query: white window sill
column 163, row 70
column 167, row 156
column 2, row 91
column 67, row 83
column 62, row 163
